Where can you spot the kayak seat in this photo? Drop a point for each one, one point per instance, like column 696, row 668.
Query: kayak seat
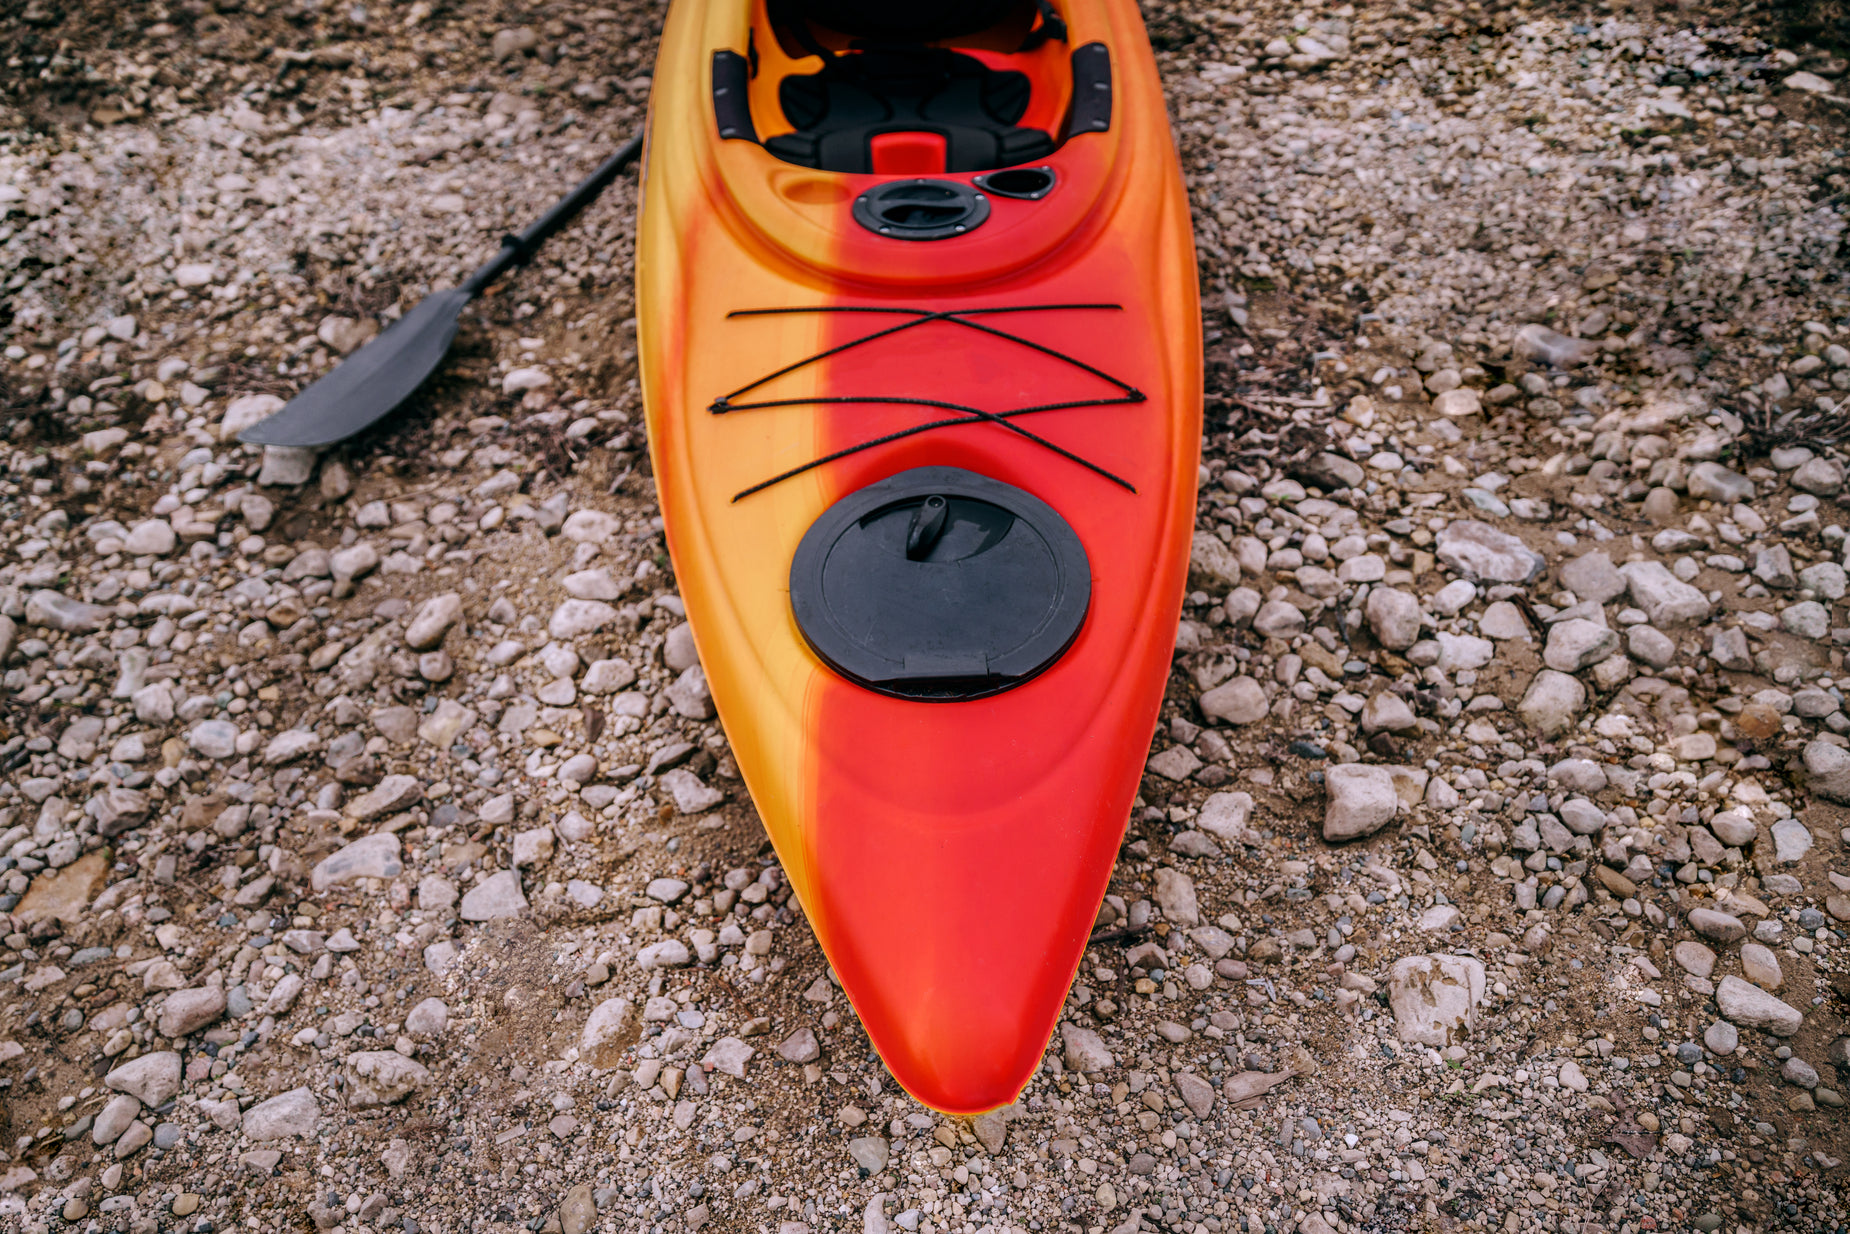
column 847, row 115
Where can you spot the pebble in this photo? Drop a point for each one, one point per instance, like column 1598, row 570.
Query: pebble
column 187, row 1011
column 497, row 896
column 114, row 1119
column 869, row 1152
column 1717, row 926
column 1751, row 1007
column 1084, row 1050
column 1576, row 644
column 1760, row 966
column 1393, row 617
column 151, row 1079
column 374, row 856
column 293, row 1113
column 1553, row 701
column 1481, row 553
column 1361, row 801
column 433, row 620
column 1665, row 599
column 1791, row 841
column 1239, row 701
column 800, row 1047
column 1435, row 998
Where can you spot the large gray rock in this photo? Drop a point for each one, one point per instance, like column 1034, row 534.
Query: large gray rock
column 283, row 995
column 1211, row 564
column 1714, row 482
column 1592, row 576
column 295, row 1112
column 800, row 1047
column 576, row 618
column 1821, row 476
column 1750, row 1006
column 433, row 620
column 394, row 793
column 1435, row 998
column 382, row 1077
column 287, row 466
column 607, row 1032
column 1393, row 617
column 1716, row 925
column 1388, row 713
column 1224, row 816
column 154, row 538
column 678, row 650
column 496, row 896
column 1239, row 700
column 375, row 856
column 450, row 720
column 289, row 745
column 1175, row 895
column 1827, row 770
column 214, row 738
column 728, row 1055
column 1791, row 841
column 691, row 794
column 428, row 1019
column 1278, row 619
column 150, row 1079
column 55, row 611
column 608, row 676
column 1760, row 966
column 245, row 411
column 1196, row 1093
column 114, row 1119
column 1734, row 828
column 669, row 953
column 689, row 696
column 1479, row 552
column 1577, row 643
column 187, row 1011
column 1361, row 800
column 1084, row 1050
column 1666, row 599
column 1553, row 702
column 871, row 1153
column 1694, row 958
column 591, row 526
column 353, row 562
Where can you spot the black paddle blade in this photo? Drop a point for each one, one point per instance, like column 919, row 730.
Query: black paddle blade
column 368, row 385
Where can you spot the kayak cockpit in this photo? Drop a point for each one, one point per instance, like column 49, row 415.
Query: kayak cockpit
column 845, row 87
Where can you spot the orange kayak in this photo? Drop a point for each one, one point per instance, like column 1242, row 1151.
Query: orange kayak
column 921, row 358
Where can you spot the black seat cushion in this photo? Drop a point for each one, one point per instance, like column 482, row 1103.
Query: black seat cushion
column 920, row 21
column 907, row 89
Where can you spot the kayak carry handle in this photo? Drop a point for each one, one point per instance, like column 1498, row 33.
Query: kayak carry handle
column 928, row 522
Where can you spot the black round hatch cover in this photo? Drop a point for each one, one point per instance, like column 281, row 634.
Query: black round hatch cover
column 921, row 209
column 939, row 583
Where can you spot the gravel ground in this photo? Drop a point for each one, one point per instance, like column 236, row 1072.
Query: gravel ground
column 372, row 860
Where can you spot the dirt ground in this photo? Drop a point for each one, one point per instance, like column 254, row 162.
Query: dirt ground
column 203, row 205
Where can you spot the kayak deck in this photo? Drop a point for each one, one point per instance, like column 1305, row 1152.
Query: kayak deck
column 950, row 855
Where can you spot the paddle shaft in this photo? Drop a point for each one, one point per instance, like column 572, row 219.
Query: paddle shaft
column 519, row 249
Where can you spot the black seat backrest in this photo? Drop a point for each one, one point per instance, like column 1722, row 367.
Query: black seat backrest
column 907, row 89
column 919, row 21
